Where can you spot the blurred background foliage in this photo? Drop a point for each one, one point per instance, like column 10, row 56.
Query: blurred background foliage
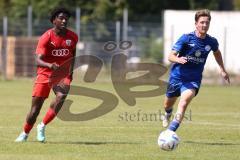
column 103, row 10
column 100, row 13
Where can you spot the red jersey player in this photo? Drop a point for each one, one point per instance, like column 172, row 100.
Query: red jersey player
column 55, row 47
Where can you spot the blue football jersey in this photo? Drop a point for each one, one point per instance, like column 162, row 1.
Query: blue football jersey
column 196, row 50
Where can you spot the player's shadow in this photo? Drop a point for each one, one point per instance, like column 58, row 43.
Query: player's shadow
column 213, row 143
column 91, row 143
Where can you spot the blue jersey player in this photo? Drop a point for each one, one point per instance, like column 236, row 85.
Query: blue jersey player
column 189, row 55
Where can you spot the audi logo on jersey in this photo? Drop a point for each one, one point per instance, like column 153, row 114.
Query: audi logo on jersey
column 60, row 52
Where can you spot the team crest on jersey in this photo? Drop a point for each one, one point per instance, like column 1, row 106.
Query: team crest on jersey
column 68, row 42
column 198, row 53
column 207, row 48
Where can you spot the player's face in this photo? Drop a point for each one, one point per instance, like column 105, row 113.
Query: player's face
column 61, row 21
column 202, row 25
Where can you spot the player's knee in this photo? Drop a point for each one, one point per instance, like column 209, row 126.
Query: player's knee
column 169, row 102
column 32, row 116
column 183, row 103
column 61, row 97
column 166, row 103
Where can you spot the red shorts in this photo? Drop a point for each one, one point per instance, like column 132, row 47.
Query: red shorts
column 43, row 89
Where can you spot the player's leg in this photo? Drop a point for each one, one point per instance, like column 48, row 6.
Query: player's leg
column 37, row 103
column 61, row 94
column 39, row 94
column 36, row 106
column 168, row 107
column 172, row 93
column 186, row 97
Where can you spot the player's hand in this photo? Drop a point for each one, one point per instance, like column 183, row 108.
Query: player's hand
column 225, row 76
column 54, row 66
column 182, row 60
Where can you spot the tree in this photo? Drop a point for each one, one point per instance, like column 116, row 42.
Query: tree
column 102, row 10
column 226, row 5
column 236, row 4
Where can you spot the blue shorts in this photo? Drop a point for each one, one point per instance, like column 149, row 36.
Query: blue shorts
column 176, row 87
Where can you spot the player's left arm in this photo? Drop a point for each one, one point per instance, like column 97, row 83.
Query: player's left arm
column 75, row 37
column 218, row 57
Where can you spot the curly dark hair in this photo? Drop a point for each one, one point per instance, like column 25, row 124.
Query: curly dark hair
column 56, row 11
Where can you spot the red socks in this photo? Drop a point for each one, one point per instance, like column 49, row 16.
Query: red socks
column 49, row 116
column 27, row 128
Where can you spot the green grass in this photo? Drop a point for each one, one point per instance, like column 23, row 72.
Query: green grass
column 212, row 133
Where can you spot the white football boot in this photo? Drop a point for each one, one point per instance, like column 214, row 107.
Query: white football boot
column 22, row 137
column 166, row 119
column 41, row 132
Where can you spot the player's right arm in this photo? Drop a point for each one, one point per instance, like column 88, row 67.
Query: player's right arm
column 41, row 51
column 42, row 63
column 175, row 56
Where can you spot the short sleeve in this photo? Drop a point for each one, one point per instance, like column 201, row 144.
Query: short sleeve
column 215, row 45
column 75, row 38
column 42, row 43
column 180, row 43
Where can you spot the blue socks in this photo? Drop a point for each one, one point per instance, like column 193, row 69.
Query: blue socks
column 169, row 111
column 174, row 125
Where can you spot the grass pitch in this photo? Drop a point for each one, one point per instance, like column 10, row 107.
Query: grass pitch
column 211, row 129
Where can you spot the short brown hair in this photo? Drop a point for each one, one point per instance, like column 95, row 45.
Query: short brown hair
column 202, row 13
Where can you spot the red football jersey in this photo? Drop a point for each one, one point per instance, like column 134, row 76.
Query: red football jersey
column 56, row 49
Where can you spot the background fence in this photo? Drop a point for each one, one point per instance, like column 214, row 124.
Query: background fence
column 18, row 46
